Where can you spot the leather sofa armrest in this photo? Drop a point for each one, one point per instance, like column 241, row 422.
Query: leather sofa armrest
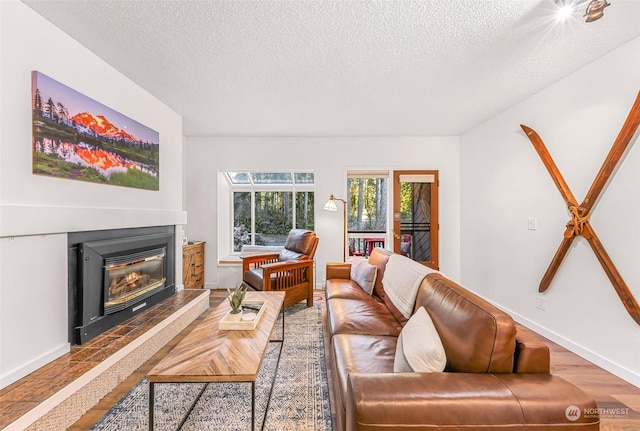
column 338, row 270
column 531, row 355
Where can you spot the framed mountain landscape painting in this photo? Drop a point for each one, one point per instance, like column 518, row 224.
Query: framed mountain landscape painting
column 78, row 138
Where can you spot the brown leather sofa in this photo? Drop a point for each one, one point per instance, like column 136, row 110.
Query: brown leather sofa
column 496, row 377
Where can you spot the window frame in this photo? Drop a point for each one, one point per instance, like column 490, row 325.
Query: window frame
column 252, row 188
column 357, row 237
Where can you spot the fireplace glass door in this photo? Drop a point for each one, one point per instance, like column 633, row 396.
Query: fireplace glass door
column 132, row 277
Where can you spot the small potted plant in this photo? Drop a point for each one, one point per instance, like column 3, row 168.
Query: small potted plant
column 236, row 297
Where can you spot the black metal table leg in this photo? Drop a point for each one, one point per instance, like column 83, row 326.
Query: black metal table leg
column 184, row 419
column 253, row 407
column 273, row 381
column 151, row 405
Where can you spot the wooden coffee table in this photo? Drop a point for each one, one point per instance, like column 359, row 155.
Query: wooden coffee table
column 210, row 355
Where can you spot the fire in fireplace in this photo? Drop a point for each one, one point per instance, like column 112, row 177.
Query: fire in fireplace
column 131, row 277
column 115, row 274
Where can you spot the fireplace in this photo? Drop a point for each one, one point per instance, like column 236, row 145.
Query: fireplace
column 114, row 274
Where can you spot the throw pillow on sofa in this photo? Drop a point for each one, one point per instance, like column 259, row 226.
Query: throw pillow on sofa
column 419, row 348
column 364, row 274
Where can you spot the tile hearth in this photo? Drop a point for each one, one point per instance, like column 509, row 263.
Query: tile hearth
column 101, row 363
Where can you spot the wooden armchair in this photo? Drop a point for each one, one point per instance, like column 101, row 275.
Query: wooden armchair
column 290, row 271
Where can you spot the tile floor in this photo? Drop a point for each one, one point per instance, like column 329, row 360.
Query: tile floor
column 23, row 395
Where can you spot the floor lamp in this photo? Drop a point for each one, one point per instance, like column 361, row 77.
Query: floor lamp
column 331, row 206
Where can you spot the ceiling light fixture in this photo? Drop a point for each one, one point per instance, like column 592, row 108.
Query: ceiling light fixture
column 564, row 12
column 593, row 11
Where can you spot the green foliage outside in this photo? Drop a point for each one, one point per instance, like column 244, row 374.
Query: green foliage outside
column 274, row 216
column 367, row 206
column 406, row 202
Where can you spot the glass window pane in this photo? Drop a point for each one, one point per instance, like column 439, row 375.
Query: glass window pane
column 304, row 210
column 274, row 217
column 415, row 218
column 367, row 205
column 238, row 177
column 304, row 177
column 241, row 219
column 272, row 177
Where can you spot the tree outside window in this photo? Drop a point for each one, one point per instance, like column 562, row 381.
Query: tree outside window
column 367, row 206
column 267, row 205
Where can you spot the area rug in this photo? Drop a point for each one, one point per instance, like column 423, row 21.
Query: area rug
column 300, row 398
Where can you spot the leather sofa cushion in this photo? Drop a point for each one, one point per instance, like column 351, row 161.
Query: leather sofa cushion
column 432, row 401
column 463, row 402
column 477, row 336
column 550, row 409
column 361, row 354
column 346, row 289
column 365, row 317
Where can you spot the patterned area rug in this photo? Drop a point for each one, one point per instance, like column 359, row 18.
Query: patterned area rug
column 300, row 398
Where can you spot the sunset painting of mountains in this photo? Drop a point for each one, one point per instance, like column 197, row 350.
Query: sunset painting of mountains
column 76, row 137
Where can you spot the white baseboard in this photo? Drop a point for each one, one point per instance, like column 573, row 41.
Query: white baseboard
column 616, row 369
column 17, row 374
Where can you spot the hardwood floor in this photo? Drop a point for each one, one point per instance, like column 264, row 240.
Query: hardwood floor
column 618, row 400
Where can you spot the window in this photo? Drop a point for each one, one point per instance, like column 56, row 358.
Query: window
column 366, row 211
column 413, row 201
column 267, row 205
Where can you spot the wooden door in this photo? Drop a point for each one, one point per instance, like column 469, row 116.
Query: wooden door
column 415, row 215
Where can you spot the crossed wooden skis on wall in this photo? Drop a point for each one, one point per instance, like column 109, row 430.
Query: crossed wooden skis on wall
column 580, row 213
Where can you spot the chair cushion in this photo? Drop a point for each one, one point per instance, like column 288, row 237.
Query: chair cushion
column 287, row 255
column 299, row 245
column 253, row 278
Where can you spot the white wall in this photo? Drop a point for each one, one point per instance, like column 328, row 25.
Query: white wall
column 504, row 183
column 36, row 212
column 329, row 158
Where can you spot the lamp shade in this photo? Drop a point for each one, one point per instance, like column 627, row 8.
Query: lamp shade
column 331, row 204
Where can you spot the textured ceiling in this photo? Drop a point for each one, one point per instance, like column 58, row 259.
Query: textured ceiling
column 340, row 68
